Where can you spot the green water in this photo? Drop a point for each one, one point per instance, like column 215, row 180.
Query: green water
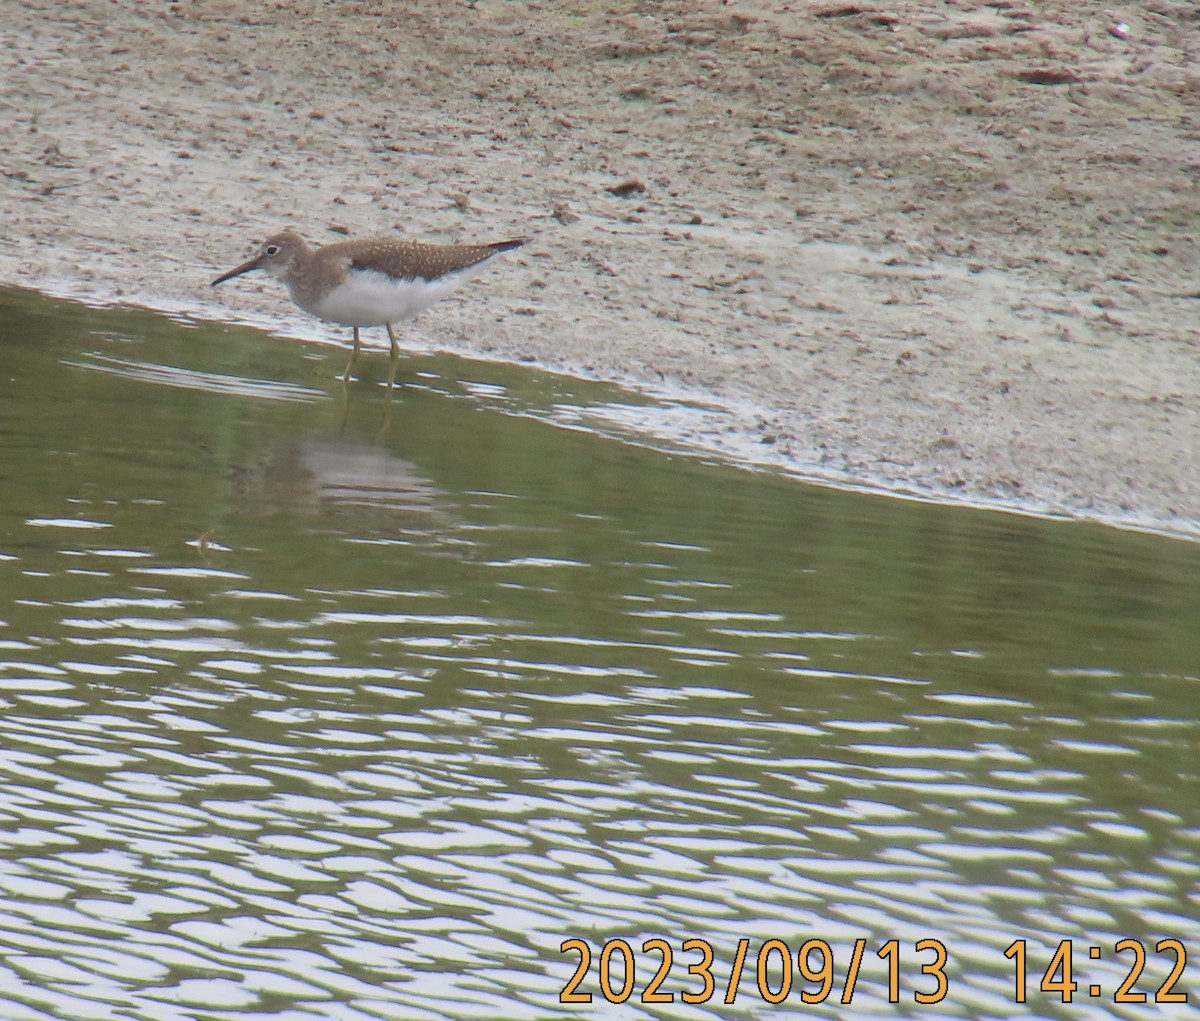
column 320, row 704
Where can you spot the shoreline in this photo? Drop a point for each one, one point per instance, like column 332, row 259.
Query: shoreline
column 734, row 447
column 896, row 263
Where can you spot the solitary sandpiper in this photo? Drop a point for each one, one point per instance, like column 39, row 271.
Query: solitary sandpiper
column 371, row 282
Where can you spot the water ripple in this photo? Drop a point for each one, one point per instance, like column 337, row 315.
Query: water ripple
column 191, row 379
column 452, row 689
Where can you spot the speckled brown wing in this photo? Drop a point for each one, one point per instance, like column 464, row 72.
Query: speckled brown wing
column 411, row 260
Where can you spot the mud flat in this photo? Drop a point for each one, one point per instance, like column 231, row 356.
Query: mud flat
column 944, row 247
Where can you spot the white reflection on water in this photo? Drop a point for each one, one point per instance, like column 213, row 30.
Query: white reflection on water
column 191, row 379
column 82, row 523
column 395, row 739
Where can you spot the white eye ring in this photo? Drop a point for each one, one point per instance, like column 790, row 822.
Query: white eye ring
column 272, row 249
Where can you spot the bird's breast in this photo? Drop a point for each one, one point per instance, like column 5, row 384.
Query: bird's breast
column 370, row 298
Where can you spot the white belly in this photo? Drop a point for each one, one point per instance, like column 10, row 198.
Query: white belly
column 370, row 298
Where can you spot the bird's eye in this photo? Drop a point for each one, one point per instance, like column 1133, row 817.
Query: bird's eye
column 272, row 249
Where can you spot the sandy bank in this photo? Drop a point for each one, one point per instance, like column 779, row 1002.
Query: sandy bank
column 945, row 247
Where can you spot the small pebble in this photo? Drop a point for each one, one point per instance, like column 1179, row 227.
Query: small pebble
column 626, row 188
column 563, row 213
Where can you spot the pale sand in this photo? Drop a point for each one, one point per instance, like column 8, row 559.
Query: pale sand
column 945, row 248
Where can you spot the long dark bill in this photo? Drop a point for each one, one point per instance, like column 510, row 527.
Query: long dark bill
column 245, row 267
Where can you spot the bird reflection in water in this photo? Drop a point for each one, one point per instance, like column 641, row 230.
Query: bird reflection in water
column 322, row 475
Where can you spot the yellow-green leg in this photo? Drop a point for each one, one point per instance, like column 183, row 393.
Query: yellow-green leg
column 353, row 357
column 395, row 357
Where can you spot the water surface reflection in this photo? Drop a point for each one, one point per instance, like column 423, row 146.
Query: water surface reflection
column 447, row 686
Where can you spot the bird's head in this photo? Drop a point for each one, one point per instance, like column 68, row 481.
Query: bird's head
column 275, row 256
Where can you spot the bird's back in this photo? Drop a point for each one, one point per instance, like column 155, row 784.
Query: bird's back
column 372, row 282
column 413, row 260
